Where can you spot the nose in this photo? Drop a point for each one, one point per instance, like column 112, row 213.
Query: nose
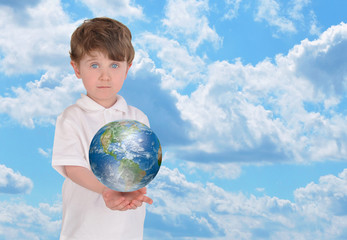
column 104, row 75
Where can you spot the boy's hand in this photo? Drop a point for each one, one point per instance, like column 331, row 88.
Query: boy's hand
column 138, row 197
column 123, row 201
column 114, row 200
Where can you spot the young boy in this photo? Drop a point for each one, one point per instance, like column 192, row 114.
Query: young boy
column 101, row 55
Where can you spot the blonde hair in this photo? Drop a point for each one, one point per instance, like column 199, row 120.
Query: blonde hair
column 102, row 34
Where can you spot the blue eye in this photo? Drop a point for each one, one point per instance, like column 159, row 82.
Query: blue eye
column 114, row 65
column 94, row 65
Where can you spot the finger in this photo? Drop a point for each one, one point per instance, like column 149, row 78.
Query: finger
column 147, row 200
column 114, row 203
column 126, row 207
column 119, row 205
column 122, row 206
column 143, row 190
column 132, row 206
column 136, row 203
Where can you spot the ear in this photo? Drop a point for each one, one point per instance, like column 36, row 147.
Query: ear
column 129, row 65
column 76, row 69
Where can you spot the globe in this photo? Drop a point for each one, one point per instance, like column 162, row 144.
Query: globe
column 125, row 155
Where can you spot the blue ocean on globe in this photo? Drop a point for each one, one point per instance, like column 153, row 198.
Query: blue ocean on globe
column 125, row 155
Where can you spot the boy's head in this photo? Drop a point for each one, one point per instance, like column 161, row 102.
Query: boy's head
column 105, row 35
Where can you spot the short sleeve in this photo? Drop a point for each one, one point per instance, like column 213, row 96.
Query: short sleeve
column 144, row 119
column 138, row 115
column 67, row 147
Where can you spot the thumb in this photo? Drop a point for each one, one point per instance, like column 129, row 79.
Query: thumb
column 143, row 190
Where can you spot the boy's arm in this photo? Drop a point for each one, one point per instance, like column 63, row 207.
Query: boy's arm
column 113, row 199
column 85, row 178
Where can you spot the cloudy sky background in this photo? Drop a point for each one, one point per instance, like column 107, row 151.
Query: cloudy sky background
column 248, row 99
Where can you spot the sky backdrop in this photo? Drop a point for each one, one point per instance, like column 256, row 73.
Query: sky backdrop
column 248, row 99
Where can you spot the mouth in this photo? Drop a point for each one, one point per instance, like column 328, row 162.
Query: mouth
column 102, row 87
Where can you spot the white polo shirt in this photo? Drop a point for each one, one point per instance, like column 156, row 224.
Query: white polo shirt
column 85, row 215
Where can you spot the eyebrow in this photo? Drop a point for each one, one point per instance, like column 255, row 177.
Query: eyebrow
column 91, row 59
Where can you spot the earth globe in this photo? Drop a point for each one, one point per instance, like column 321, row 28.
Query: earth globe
column 125, row 155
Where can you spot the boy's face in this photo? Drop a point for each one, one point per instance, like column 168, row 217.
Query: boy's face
column 101, row 76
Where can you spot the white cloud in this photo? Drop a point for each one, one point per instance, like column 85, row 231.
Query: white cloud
column 188, row 18
column 13, row 182
column 178, row 68
column 325, row 203
column 234, row 6
column 224, row 171
column 288, row 17
column 21, row 221
column 329, row 196
column 34, row 38
column 226, row 112
column 207, row 210
column 42, row 100
column 216, row 170
column 287, row 110
column 270, row 11
column 322, row 61
column 314, row 25
column 296, row 11
column 120, row 8
column 46, row 153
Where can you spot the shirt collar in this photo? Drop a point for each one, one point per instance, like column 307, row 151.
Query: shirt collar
column 88, row 104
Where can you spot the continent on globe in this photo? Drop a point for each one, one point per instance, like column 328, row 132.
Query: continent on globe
column 125, row 155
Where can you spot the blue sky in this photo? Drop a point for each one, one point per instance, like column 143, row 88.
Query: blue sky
column 248, row 99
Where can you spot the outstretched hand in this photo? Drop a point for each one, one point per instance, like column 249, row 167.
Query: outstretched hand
column 123, row 201
column 138, row 197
